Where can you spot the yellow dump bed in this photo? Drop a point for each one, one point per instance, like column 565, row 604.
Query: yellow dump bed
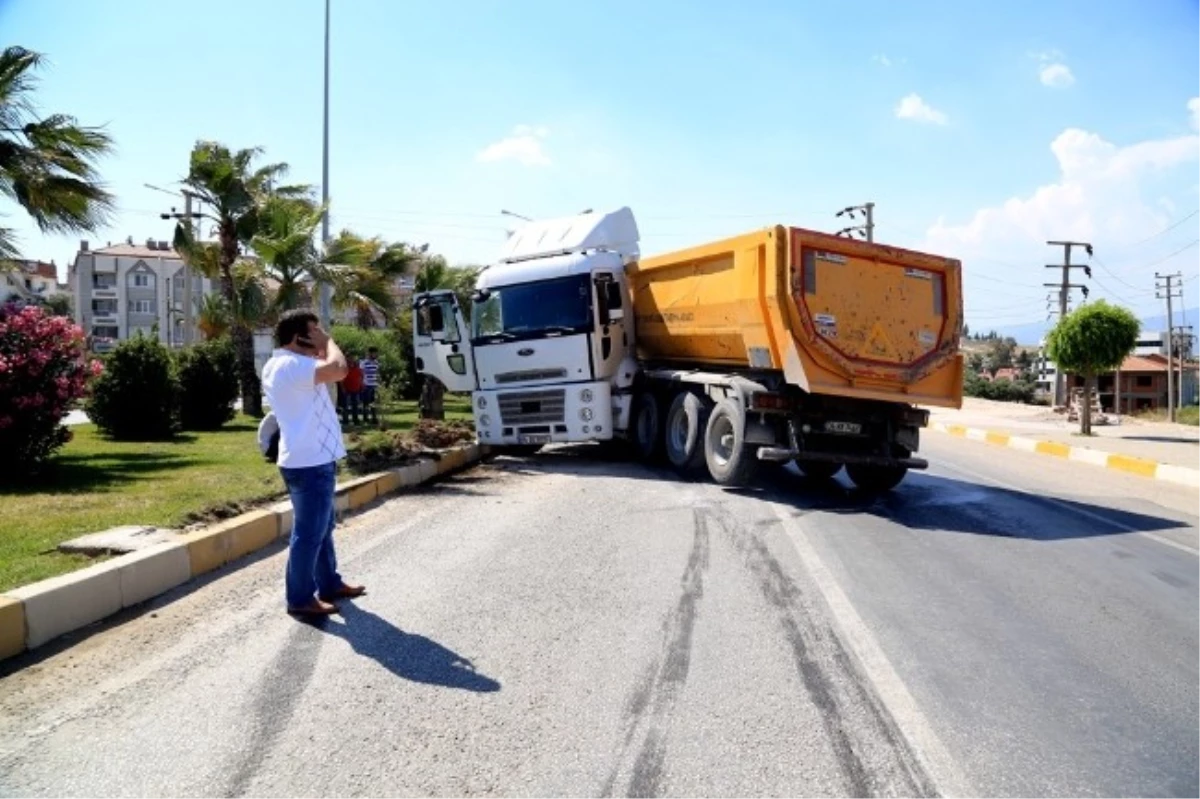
column 836, row 316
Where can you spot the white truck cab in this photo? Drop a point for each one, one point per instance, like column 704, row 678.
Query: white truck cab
column 548, row 354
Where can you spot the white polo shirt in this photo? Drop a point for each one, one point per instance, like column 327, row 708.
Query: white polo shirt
column 309, row 431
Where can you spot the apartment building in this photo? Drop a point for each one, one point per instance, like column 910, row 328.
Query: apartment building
column 31, row 281
column 123, row 288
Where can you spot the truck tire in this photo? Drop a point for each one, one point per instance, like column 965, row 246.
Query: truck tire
column 647, row 428
column 818, row 470
column 730, row 461
column 875, row 479
column 684, row 431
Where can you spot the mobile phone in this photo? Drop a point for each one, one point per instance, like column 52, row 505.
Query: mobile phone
column 305, row 342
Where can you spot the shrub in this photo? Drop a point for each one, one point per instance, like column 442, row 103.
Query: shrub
column 136, row 398
column 44, row 369
column 208, row 384
column 355, row 341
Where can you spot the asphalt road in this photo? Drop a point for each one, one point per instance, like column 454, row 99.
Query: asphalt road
column 1002, row 625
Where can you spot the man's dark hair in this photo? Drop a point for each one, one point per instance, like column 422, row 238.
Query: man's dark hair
column 372, row 351
column 293, row 323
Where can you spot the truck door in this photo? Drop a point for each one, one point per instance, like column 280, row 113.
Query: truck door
column 441, row 344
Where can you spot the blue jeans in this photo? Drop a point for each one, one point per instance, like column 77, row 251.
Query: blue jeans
column 312, row 563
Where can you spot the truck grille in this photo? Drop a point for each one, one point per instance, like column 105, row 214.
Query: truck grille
column 533, row 407
column 531, row 374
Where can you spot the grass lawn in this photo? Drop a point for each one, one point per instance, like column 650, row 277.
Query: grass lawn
column 99, row 484
column 1189, row 414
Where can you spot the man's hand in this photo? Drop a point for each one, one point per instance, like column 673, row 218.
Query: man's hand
column 318, row 338
column 332, row 366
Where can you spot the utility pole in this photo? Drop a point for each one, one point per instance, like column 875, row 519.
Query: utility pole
column 866, row 231
column 1169, row 288
column 325, row 290
column 1064, row 295
column 194, row 227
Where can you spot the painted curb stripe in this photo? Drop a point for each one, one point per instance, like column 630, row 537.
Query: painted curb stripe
column 1128, row 464
column 203, row 550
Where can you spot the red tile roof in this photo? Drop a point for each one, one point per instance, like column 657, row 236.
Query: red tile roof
column 1144, row 363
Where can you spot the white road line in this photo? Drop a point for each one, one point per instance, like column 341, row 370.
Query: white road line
column 890, row 688
column 1096, row 517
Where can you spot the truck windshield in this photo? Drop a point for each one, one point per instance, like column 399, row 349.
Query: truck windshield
column 533, row 310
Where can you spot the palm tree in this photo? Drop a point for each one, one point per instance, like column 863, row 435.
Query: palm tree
column 364, row 273
column 252, row 305
column 228, row 182
column 285, row 243
column 47, row 164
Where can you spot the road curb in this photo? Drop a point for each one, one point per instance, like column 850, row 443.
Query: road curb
column 1116, row 461
column 33, row 615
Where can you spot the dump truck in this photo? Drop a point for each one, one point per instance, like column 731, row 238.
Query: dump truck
column 780, row 345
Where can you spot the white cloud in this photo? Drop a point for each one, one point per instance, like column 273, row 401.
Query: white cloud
column 913, row 107
column 1097, row 197
column 523, row 146
column 884, row 60
column 1054, row 72
column 1194, row 107
column 1057, row 76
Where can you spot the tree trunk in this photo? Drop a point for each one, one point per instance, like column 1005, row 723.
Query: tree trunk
column 432, row 400
column 243, row 341
column 243, row 338
column 1085, row 413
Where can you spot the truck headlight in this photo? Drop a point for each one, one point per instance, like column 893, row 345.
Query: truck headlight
column 586, row 396
column 481, row 403
column 485, row 421
column 585, row 414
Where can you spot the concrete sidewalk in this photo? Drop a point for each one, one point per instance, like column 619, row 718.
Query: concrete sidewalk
column 1131, row 446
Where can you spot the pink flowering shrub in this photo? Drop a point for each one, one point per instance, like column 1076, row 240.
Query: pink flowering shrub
column 44, row 368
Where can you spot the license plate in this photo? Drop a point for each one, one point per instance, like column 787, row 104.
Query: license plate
column 534, row 439
column 843, row 428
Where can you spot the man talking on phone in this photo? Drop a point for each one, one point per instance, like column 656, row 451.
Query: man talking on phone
column 296, row 381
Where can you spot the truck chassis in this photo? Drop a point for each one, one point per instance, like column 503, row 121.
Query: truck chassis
column 730, row 424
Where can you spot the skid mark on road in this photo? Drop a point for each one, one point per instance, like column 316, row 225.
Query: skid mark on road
column 276, row 696
column 650, row 705
column 904, row 725
column 874, row 761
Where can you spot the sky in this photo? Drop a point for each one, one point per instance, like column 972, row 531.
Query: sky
column 980, row 131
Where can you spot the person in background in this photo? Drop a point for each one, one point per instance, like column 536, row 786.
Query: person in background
column 295, row 380
column 370, row 370
column 352, row 385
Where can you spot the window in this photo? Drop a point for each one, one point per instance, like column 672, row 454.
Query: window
column 1145, row 381
column 143, row 306
column 108, row 282
column 104, row 306
column 141, row 280
column 105, row 331
column 532, row 310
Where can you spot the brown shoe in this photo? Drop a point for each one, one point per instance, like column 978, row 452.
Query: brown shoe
column 315, row 608
column 345, row 592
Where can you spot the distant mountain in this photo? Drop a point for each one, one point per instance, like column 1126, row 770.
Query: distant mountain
column 1031, row 334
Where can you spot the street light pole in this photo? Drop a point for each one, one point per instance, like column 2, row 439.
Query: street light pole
column 325, row 291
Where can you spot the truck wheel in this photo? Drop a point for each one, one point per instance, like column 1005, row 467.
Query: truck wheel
column 647, row 428
column 875, row 479
column 818, row 470
column 686, row 422
column 730, row 462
